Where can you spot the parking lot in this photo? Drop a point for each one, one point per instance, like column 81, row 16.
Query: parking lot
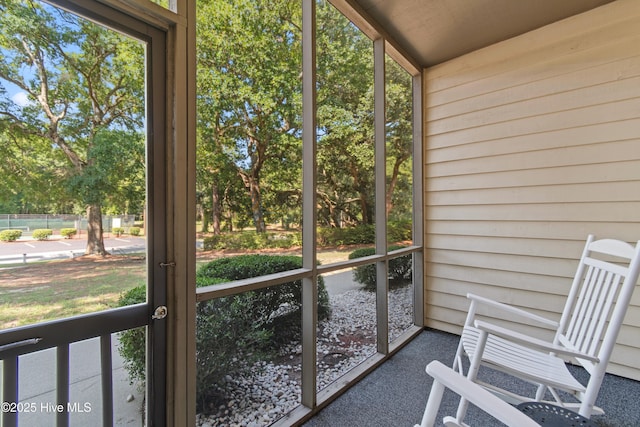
column 29, row 250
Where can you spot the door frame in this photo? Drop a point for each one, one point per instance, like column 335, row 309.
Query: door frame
column 61, row 333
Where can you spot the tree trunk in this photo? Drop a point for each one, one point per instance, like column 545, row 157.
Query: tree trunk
column 366, row 208
column 256, row 208
column 252, row 183
column 204, row 227
column 216, row 209
column 392, row 185
column 95, row 239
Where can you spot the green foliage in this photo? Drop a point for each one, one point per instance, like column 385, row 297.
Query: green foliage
column 399, row 269
column 249, row 103
column 399, row 142
column 42, row 233
column 117, row 231
column 10, row 235
column 399, row 231
column 230, row 338
column 68, row 233
column 232, row 332
column 79, row 133
column 246, row 266
column 134, row 231
column 345, row 119
column 358, row 235
column 252, row 240
column 132, row 343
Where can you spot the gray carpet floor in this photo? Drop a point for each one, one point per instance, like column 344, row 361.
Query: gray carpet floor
column 395, row 394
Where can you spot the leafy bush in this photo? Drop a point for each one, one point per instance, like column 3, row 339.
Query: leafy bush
column 134, row 231
column 232, row 332
column 131, row 344
column 42, row 233
column 251, row 240
column 10, row 235
column 68, row 233
column 399, row 231
column 361, row 234
column 117, row 231
column 399, row 269
column 271, row 299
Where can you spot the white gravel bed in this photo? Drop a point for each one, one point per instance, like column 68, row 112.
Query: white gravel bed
column 344, row 341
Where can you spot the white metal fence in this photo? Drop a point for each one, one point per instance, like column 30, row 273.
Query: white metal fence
column 29, row 222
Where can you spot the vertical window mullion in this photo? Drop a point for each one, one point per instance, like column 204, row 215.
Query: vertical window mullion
column 382, row 287
column 309, row 214
column 418, row 211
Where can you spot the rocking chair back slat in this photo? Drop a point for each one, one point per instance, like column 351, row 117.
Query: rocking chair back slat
column 601, row 315
column 597, row 311
column 579, row 311
column 594, row 305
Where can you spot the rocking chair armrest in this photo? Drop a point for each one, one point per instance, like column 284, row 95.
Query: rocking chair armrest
column 530, row 341
column 445, row 377
column 513, row 310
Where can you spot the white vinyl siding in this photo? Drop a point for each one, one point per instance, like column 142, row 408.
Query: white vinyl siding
column 530, row 145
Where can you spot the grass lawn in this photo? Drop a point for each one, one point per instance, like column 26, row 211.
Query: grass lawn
column 46, row 291
column 40, row 292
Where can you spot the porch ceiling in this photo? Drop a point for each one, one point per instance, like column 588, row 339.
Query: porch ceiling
column 434, row 31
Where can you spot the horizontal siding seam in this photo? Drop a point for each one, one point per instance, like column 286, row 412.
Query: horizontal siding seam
column 504, row 73
column 593, row 162
column 524, row 100
column 531, row 186
column 457, row 142
column 521, row 151
column 527, row 118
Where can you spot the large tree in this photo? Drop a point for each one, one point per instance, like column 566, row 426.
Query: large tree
column 345, row 117
column 220, row 195
column 399, row 139
column 83, row 90
column 345, row 120
column 249, row 113
column 249, row 91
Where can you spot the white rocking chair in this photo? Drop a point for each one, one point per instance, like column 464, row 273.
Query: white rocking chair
column 586, row 333
column 447, row 377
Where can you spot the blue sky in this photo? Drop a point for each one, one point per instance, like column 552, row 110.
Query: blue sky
column 19, row 97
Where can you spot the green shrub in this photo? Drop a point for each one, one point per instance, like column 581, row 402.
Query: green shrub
column 399, row 269
column 118, row 231
column 251, row 240
column 231, row 335
column 42, row 233
column 361, row 234
column 68, row 233
column 399, row 231
column 134, row 231
column 270, row 299
column 235, row 331
column 132, row 343
column 10, row 235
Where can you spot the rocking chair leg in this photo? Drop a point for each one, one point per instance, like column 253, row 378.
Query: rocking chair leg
column 540, row 392
column 472, row 373
column 462, row 409
column 433, row 404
